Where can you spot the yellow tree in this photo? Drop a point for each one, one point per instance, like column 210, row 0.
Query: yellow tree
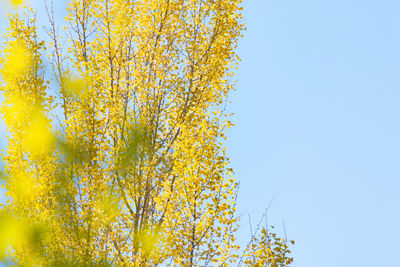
column 135, row 173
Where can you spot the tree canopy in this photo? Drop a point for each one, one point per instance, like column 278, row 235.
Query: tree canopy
column 115, row 150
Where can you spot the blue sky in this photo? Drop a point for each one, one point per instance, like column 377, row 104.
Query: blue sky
column 317, row 127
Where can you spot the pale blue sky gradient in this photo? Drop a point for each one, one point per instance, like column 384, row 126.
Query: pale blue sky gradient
column 317, row 127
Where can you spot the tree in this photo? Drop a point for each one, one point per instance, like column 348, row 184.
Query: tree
column 118, row 159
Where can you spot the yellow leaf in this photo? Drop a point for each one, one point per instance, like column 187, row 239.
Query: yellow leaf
column 75, row 86
column 39, row 138
column 17, row 2
column 18, row 60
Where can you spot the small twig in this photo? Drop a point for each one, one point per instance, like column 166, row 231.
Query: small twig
column 251, row 227
column 284, row 229
column 253, row 235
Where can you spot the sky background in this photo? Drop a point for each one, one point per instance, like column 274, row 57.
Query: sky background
column 317, row 127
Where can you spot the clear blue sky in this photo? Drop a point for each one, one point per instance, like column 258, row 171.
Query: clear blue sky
column 318, row 126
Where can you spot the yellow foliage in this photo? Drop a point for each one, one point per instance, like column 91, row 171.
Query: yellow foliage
column 74, row 86
column 267, row 250
column 139, row 176
column 15, row 232
column 148, row 240
column 17, row 2
column 39, row 137
column 23, row 186
column 9, row 231
column 18, row 60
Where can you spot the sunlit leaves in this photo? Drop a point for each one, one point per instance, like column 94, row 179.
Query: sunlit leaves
column 22, row 186
column 17, row 2
column 39, row 137
column 15, row 232
column 148, row 239
column 135, row 172
column 109, row 206
column 18, row 59
column 74, row 86
column 24, row 110
column 268, row 249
